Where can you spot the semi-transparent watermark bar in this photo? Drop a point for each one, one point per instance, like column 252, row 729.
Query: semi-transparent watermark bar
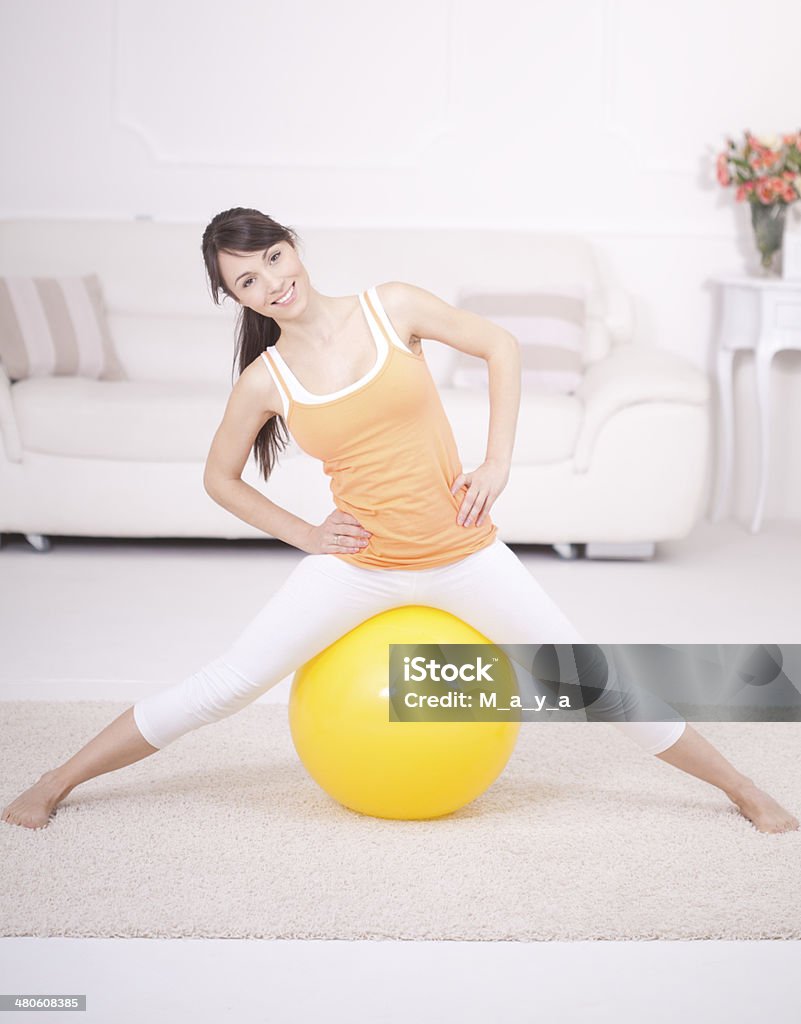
column 595, row 682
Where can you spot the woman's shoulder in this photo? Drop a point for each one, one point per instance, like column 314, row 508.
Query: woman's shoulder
column 397, row 299
column 256, row 387
column 395, row 296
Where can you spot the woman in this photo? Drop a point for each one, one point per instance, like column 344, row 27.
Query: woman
column 347, row 374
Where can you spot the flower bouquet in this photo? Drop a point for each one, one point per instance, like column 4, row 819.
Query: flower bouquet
column 766, row 170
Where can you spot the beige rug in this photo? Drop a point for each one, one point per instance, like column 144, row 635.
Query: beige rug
column 222, row 834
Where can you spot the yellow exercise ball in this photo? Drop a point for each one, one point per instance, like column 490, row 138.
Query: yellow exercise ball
column 339, row 719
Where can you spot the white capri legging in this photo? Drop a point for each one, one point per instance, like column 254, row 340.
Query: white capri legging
column 325, row 597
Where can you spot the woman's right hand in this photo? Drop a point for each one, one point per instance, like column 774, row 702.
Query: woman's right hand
column 339, row 533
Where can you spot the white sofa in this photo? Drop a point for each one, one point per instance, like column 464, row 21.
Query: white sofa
column 618, row 465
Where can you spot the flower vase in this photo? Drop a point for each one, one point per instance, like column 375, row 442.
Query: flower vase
column 768, row 220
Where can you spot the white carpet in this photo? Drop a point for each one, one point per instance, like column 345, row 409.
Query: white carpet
column 223, row 834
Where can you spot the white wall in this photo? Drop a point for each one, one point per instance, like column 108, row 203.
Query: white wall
column 597, row 116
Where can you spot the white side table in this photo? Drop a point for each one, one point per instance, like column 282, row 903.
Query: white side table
column 762, row 314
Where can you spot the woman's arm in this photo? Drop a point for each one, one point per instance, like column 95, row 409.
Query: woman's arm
column 254, row 400
column 425, row 315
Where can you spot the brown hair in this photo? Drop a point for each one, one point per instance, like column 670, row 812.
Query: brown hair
column 243, row 230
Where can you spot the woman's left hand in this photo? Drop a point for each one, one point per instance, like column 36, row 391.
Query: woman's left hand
column 484, row 486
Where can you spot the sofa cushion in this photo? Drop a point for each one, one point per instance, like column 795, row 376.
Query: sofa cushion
column 148, row 421
column 174, row 348
column 550, row 325
column 547, row 427
column 162, row 421
column 55, row 325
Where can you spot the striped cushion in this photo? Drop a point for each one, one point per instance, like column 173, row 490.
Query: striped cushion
column 55, row 326
column 550, row 327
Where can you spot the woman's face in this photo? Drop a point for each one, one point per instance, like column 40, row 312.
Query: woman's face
column 258, row 279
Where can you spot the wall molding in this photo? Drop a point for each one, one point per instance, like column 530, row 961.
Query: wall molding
column 613, row 56
column 436, row 129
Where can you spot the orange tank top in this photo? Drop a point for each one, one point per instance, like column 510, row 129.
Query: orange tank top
column 389, row 450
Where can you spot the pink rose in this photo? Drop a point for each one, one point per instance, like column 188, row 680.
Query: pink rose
column 724, row 177
column 764, row 190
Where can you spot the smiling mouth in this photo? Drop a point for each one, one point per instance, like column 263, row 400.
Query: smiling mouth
column 287, row 297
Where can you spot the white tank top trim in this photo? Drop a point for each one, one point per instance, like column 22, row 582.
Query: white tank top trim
column 382, row 316
column 300, row 394
column 281, row 393
column 297, row 391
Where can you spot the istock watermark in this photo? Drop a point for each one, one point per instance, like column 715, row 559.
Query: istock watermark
column 594, row 682
column 451, row 682
column 418, row 670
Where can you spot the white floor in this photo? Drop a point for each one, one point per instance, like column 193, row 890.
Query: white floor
column 106, row 619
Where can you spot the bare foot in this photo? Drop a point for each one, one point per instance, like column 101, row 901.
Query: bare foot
column 763, row 811
column 34, row 807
